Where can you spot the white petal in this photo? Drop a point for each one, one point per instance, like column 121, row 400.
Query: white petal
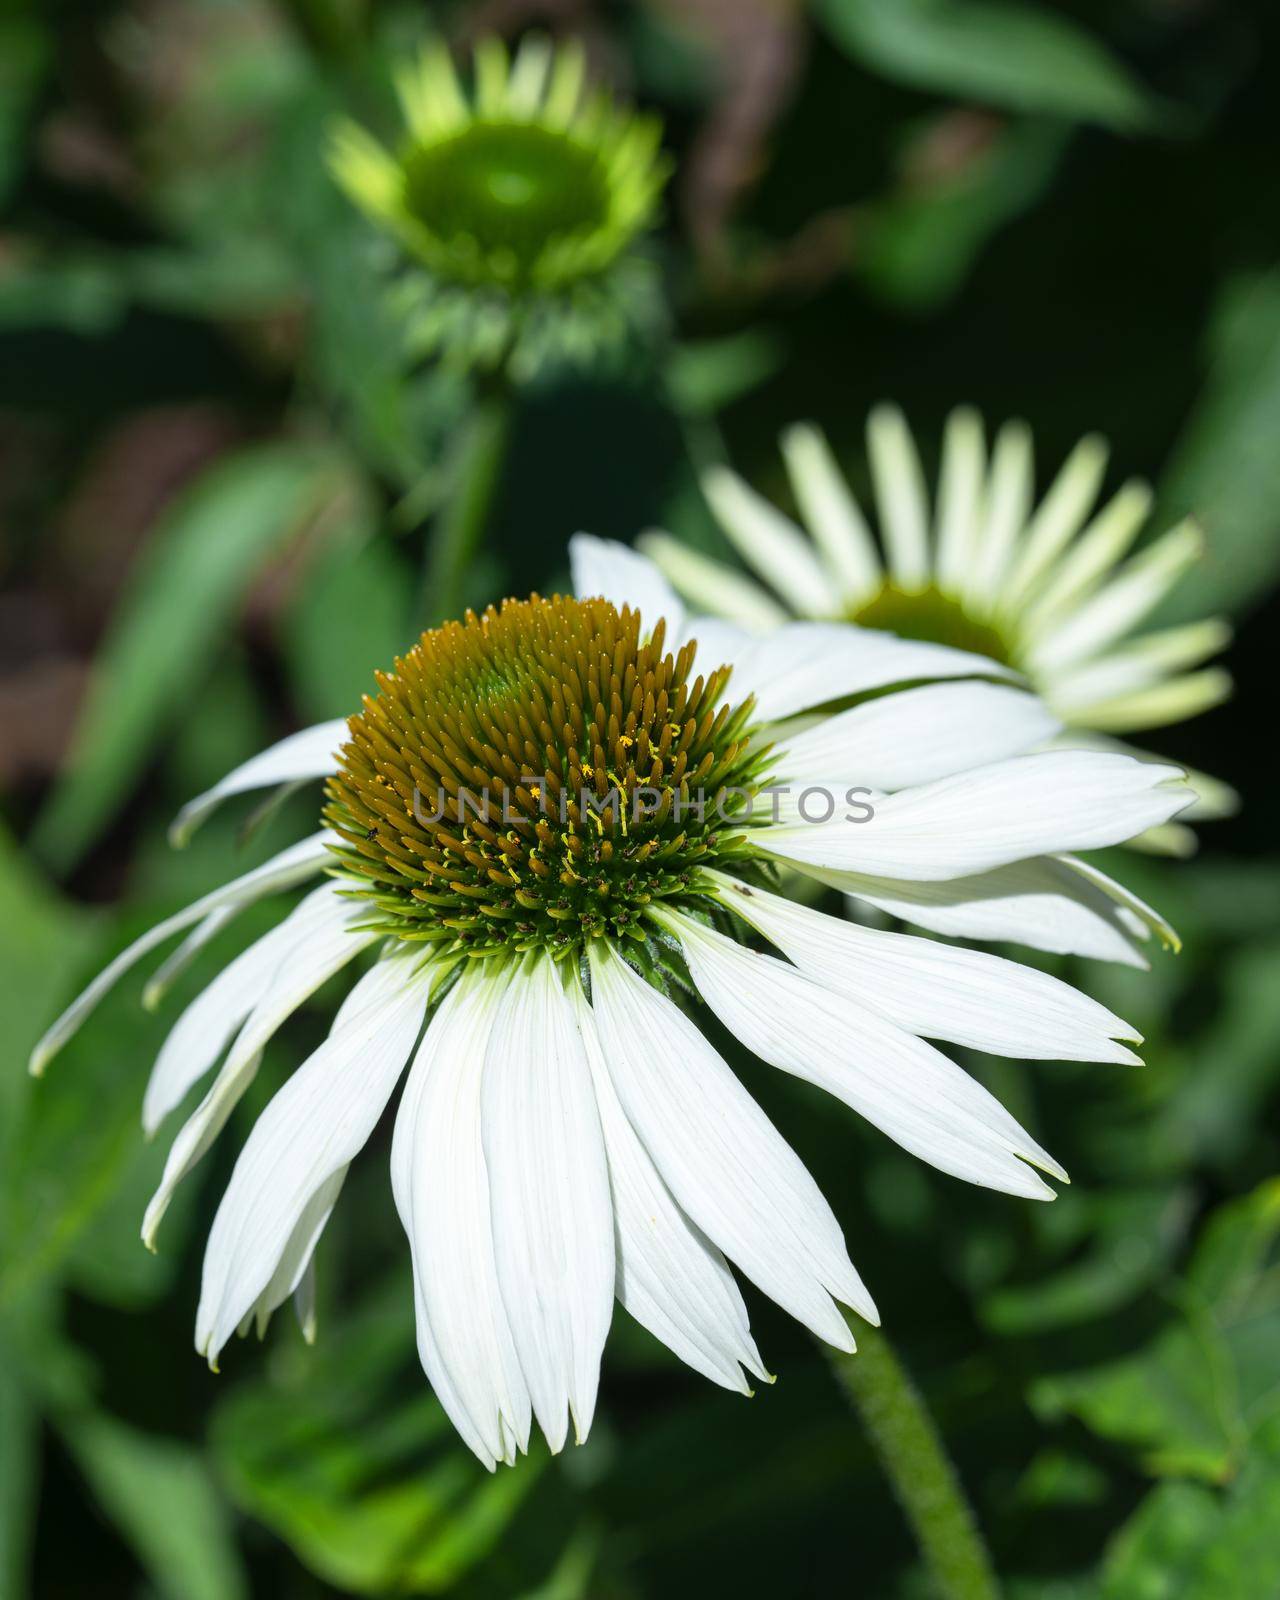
column 174, row 965
column 831, row 515
column 549, row 1192
column 1007, row 504
column 720, row 1156
column 1089, row 560
column 904, row 1086
column 292, row 866
column 295, row 1269
column 940, row 991
column 1050, row 903
column 916, row 736
column 670, row 1277
column 711, row 586
column 1057, row 520
column 900, row 497
column 309, row 1133
column 610, row 570
column 1175, row 700
column 1122, row 603
column 960, row 487
column 441, row 1189
column 204, row 1029
column 1137, row 664
column 312, row 753
column 769, row 542
column 1008, row 811
column 808, row 664
column 324, row 942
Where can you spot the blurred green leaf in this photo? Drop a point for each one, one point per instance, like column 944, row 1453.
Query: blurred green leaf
column 706, row 376
column 350, row 1459
column 160, row 1495
column 1226, row 470
column 1004, row 54
column 19, row 1476
column 24, row 60
column 180, row 600
column 1186, row 1542
column 1191, row 1401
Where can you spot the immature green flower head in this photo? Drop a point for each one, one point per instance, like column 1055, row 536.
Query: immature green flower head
column 518, row 204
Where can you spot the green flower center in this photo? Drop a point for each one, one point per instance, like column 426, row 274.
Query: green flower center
column 538, row 776
column 933, row 617
column 507, row 190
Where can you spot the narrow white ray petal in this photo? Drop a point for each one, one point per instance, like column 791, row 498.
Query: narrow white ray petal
column 549, row 1192
column 311, row 753
column 669, row 1275
column 722, row 1159
column 941, row 991
column 1213, row 797
column 712, row 586
column 909, row 1090
column 1007, row 811
column 204, row 1029
column 719, row 643
column 606, row 568
column 1046, row 904
column 1057, row 519
column 901, row 497
column 832, row 516
column 528, row 77
column 309, row 1133
column 1087, row 563
column 1007, row 505
column 916, row 736
column 1176, row 700
column 1121, row 604
column 174, row 965
column 769, row 543
column 294, row 1272
column 304, row 1300
column 807, row 664
column 1141, row 919
column 325, row 942
column 441, row 1190
column 1138, row 663
column 960, row 489
column 292, row 866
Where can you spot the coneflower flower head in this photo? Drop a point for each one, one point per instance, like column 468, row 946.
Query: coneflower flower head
column 516, row 205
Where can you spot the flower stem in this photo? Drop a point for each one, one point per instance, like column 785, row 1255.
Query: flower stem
column 460, row 528
column 923, row 1479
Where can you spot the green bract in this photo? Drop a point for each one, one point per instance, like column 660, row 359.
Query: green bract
column 517, row 204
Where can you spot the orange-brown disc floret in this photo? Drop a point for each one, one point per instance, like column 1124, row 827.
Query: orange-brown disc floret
column 537, row 776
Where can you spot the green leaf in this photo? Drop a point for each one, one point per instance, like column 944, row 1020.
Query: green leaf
column 350, row 1459
column 180, row 600
column 1017, row 56
column 1226, row 470
column 24, row 59
column 19, row 1478
column 1191, row 1401
column 1186, row 1542
column 160, row 1495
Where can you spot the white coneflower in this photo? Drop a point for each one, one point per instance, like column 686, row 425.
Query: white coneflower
column 549, row 821
column 1044, row 588
column 516, row 203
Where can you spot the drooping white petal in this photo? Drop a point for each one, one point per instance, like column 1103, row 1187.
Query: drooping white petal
column 960, row 485
column 832, row 516
column 441, row 1189
column 309, row 1133
column 940, row 991
column 1213, row 797
column 292, row 866
column 605, row 568
column 294, row 1272
column 769, row 543
column 1121, row 604
column 549, row 1193
column 175, row 964
column 916, row 736
column 669, row 1275
column 204, row 1029
column 909, row 1090
column 311, row 753
column 1057, row 519
column 808, row 664
column 711, row 586
column 720, row 1156
column 1048, row 903
column 324, row 941
column 1007, row 811
column 901, row 497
